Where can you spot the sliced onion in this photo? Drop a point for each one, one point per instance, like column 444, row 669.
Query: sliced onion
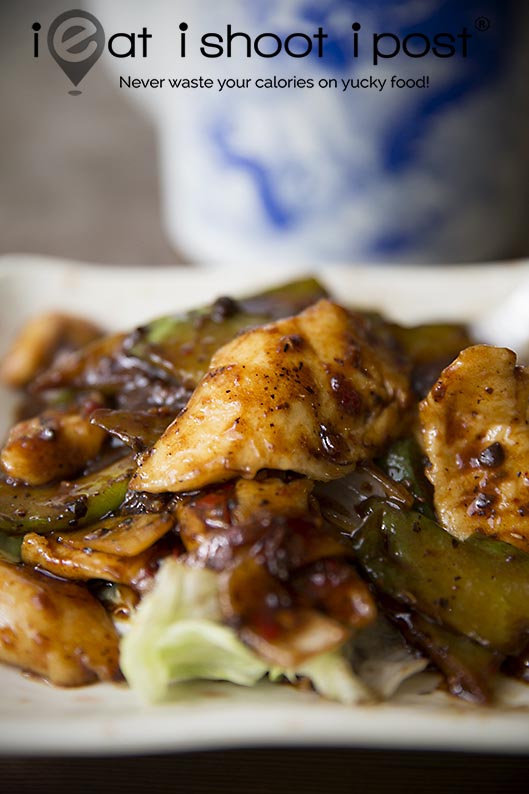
column 340, row 499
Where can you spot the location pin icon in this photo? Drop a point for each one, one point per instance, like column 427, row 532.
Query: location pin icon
column 76, row 40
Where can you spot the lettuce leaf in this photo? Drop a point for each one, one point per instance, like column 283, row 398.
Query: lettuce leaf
column 332, row 677
column 177, row 635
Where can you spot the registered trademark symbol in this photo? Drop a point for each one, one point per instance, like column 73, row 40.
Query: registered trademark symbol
column 482, row 24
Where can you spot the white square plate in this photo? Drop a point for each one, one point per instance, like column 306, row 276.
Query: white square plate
column 103, row 719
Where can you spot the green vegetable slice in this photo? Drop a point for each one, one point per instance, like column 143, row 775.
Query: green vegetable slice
column 65, row 505
column 404, row 463
column 182, row 346
column 478, row 587
column 10, row 548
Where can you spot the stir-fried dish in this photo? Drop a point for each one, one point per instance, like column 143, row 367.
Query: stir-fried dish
column 271, row 487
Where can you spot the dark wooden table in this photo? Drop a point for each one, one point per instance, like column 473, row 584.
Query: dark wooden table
column 271, row 771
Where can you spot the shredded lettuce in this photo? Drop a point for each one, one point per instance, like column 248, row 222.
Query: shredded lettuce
column 332, row 677
column 177, row 635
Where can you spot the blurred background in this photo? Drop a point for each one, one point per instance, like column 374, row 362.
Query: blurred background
column 409, row 175
column 78, row 179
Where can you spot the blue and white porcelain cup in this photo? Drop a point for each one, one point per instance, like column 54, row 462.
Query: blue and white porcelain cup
column 436, row 173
